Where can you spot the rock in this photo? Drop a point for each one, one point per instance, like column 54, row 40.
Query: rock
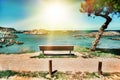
column 19, row 43
column 1, row 46
column 2, row 40
column 9, row 36
column 9, row 44
column 115, row 38
column 8, row 32
column 41, row 32
column 108, row 33
column 77, row 35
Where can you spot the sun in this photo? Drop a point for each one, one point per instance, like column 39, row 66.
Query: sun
column 54, row 13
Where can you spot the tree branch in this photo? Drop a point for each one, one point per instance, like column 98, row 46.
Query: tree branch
column 108, row 19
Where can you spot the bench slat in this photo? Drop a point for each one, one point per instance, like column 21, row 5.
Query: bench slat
column 56, row 48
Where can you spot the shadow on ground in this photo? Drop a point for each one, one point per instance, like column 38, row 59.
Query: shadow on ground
column 113, row 51
column 55, row 56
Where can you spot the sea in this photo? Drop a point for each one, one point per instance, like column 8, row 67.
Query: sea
column 32, row 42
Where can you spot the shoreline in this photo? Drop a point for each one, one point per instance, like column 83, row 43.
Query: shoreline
column 105, row 50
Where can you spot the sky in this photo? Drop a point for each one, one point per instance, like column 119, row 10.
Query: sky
column 50, row 15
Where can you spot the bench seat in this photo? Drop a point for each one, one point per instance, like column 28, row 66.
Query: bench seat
column 56, row 48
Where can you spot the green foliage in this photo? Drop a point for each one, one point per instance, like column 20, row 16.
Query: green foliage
column 56, row 56
column 59, row 75
column 41, row 56
column 89, row 54
column 32, row 74
column 80, row 49
column 7, row 73
column 106, row 74
column 98, row 6
column 91, row 75
column 102, row 54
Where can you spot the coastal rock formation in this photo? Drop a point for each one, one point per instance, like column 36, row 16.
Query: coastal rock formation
column 3, row 29
column 19, row 43
column 108, row 33
column 7, row 37
column 115, row 39
column 41, row 32
column 7, row 32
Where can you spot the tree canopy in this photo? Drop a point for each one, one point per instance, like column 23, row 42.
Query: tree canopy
column 103, row 7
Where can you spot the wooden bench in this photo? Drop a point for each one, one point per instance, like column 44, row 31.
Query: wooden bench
column 56, row 48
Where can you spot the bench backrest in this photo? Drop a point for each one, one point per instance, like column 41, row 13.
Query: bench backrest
column 56, row 47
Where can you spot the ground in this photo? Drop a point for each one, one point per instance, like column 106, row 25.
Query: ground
column 27, row 62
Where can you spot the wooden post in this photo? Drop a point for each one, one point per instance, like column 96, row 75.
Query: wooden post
column 50, row 68
column 100, row 68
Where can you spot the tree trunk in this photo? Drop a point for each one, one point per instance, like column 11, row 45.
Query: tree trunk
column 100, row 31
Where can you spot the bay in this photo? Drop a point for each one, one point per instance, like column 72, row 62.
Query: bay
column 32, row 42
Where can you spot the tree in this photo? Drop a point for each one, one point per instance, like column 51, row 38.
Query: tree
column 103, row 8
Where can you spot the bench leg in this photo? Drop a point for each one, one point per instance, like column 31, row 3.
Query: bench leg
column 43, row 51
column 70, row 52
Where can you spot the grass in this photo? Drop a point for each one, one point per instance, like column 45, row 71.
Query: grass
column 54, row 56
column 91, row 75
column 89, row 54
column 85, row 51
column 59, row 75
column 32, row 74
column 7, row 73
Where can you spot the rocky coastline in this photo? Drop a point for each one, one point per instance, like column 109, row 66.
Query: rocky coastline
column 108, row 33
column 93, row 34
column 8, row 38
column 115, row 39
column 4, row 29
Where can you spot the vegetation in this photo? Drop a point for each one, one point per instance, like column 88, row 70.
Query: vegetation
column 91, row 75
column 90, row 54
column 86, row 53
column 102, row 8
column 32, row 74
column 7, row 73
column 55, row 56
column 60, row 75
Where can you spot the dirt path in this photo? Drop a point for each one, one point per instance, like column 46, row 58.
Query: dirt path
column 23, row 62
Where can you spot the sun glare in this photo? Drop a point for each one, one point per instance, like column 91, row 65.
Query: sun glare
column 49, row 15
column 54, row 13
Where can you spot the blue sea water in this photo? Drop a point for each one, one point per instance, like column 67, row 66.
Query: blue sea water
column 32, row 42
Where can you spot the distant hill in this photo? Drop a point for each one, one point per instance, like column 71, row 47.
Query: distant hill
column 2, row 29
